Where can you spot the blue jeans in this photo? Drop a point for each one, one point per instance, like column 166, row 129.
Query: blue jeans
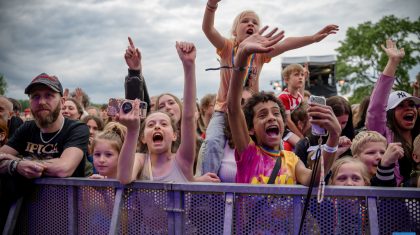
column 214, row 143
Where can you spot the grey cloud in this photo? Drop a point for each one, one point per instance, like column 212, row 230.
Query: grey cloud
column 83, row 42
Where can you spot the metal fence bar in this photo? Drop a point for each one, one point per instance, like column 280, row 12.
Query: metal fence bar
column 12, row 218
column 178, row 211
column 116, row 211
column 72, row 207
column 171, row 216
column 227, row 222
column 297, row 213
column 373, row 216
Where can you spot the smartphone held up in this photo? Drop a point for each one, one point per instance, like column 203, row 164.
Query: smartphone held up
column 317, row 130
column 116, row 104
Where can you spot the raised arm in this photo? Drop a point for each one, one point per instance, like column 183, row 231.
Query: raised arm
column 291, row 43
column 135, row 84
column 186, row 152
column 208, row 25
column 325, row 118
column 128, row 168
column 257, row 43
column 376, row 112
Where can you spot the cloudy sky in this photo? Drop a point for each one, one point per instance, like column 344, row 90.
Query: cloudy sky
column 83, row 42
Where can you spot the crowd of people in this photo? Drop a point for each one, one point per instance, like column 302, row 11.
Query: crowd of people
column 239, row 135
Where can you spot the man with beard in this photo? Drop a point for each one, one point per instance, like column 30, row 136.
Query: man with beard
column 50, row 145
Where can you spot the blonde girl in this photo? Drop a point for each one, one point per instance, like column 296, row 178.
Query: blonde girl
column 106, row 148
column 349, row 171
column 245, row 24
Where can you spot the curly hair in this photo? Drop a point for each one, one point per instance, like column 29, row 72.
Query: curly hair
column 260, row 97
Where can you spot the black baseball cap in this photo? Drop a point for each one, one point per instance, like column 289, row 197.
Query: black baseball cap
column 44, row 79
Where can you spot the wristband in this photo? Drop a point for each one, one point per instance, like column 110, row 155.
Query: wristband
column 329, row 149
column 210, row 8
column 13, row 166
column 240, row 69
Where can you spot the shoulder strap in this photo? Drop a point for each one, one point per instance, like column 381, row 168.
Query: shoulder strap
column 275, row 171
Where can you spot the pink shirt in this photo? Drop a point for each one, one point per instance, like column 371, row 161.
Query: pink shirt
column 255, row 167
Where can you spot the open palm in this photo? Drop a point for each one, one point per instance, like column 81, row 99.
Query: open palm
column 259, row 43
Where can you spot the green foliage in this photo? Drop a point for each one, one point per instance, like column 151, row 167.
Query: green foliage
column 24, row 103
column 3, row 85
column 361, row 58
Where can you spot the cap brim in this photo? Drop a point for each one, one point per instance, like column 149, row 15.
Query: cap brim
column 33, row 85
column 416, row 100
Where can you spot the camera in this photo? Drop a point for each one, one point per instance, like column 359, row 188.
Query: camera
column 116, row 104
column 317, row 130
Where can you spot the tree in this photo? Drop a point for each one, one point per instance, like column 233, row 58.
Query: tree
column 361, row 58
column 3, row 85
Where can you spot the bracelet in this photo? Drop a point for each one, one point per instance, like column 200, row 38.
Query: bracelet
column 13, row 167
column 329, row 149
column 210, row 8
column 240, row 69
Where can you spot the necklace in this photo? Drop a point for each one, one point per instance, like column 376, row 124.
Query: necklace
column 271, row 152
column 58, row 132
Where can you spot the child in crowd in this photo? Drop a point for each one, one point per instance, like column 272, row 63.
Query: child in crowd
column 294, row 77
column 160, row 132
column 207, row 109
column 95, row 125
column 245, row 24
column 263, row 118
column 371, row 148
column 349, row 171
column 300, row 118
column 415, row 174
column 106, row 149
column 398, row 120
column 350, row 214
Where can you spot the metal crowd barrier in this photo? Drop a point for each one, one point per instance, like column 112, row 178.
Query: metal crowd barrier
column 84, row 206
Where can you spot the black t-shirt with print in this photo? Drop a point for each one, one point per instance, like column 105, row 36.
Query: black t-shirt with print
column 28, row 143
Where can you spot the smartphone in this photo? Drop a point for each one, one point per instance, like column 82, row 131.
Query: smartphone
column 116, row 104
column 317, row 130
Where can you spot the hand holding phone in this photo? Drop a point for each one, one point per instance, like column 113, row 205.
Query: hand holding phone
column 115, row 105
column 317, row 130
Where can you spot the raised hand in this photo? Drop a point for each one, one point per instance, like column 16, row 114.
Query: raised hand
column 132, row 56
column 344, row 144
column 130, row 119
column 213, row 3
column 392, row 51
column 259, row 43
column 393, row 152
column 66, row 93
column 327, row 30
column 323, row 116
column 79, row 95
column 186, row 52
